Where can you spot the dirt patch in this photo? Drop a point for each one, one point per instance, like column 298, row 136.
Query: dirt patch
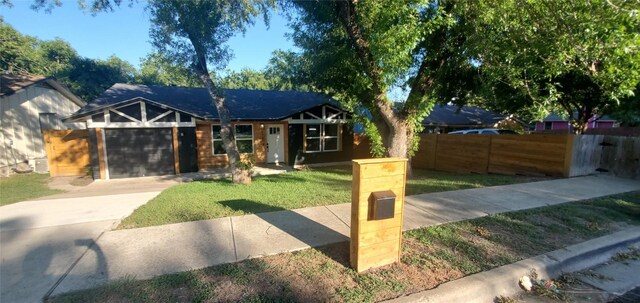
column 70, row 183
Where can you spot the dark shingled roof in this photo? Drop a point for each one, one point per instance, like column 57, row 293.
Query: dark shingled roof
column 468, row 115
column 243, row 104
column 10, row 84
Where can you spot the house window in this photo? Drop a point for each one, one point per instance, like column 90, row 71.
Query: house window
column 548, row 125
column 244, row 139
column 321, row 137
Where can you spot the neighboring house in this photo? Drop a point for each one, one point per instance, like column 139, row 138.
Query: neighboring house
column 139, row 130
column 29, row 105
column 447, row 118
column 556, row 123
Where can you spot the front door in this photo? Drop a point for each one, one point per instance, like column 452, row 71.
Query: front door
column 275, row 144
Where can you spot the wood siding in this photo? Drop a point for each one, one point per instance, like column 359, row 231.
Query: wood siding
column 206, row 158
column 67, row 152
column 21, row 138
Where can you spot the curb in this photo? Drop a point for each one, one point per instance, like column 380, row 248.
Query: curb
column 486, row 286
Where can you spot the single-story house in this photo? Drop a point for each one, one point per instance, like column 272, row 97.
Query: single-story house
column 449, row 117
column 28, row 105
column 556, row 123
column 140, row 130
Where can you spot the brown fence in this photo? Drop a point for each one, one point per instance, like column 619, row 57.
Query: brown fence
column 537, row 154
column 67, row 152
column 615, row 131
column 501, row 154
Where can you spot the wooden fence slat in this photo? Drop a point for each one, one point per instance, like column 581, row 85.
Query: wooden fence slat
column 67, row 152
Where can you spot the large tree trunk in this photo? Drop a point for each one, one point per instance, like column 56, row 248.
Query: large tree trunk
column 226, row 131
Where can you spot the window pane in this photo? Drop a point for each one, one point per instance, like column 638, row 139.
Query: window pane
column 131, row 111
column 331, row 144
column 215, row 129
column 331, row 130
column 245, row 146
column 98, row 117
column 244, row 131
column 313, row 144
column 313, row 130
column 218, row 149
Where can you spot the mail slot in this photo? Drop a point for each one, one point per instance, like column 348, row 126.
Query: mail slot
column 382, row 205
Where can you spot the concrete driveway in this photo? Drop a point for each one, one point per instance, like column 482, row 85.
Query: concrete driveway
column 40, row 240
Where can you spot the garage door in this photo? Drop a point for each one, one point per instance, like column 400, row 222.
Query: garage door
column 139, row 152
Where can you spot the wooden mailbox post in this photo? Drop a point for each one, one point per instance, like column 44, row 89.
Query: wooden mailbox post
column 376, row 225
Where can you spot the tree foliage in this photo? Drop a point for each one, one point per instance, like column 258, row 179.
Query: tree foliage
column 86, row 77
column 579, row 57
column 360, row 50
column 160, row 70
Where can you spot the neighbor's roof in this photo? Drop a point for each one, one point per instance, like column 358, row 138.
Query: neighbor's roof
column 11, row 84
column 466, row 115
column 243, row 104
column 557, row 118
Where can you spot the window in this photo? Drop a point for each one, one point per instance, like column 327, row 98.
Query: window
column 548, row 125
column 244, row 139
column 321, row 137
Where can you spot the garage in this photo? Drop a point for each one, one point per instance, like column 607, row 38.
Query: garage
column 139, row 152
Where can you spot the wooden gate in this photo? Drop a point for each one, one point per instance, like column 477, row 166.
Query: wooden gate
column 67, row 152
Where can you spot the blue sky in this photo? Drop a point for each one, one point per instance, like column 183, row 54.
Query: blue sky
column 125, row 33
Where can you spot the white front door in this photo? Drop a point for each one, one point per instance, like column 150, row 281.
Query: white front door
column 275, row 144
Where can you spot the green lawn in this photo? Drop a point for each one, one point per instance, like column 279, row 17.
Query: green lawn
column 24, row 187
column 203, row 200
column 430, row 256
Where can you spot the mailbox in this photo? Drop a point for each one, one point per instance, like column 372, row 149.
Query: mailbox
column 382, row 205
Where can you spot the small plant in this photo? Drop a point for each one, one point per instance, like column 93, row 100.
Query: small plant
column 247, row 163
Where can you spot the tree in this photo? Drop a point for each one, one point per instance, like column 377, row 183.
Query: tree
column 88, row 78
column 157, row 69
column 580, row 57
column 360, row 50
column 17, row 52
column 193, row 33
column 248, row 79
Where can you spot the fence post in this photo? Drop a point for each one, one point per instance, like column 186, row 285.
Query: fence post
column 568, row 155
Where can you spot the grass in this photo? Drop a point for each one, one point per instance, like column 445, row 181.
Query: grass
column 430, row 256
column 203, row 200
column 24, row 187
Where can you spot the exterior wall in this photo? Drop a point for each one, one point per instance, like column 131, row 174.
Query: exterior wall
column 206, row 158
column 560, row 125
column 296, row 143
column 21, row 138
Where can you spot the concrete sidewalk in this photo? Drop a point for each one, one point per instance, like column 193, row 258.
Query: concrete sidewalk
column 147, row 252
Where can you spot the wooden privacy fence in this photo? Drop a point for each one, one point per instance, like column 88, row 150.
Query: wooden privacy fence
column 67, row 152
column 500, row 154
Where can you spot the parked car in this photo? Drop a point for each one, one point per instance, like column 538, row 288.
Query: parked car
column 485, row 131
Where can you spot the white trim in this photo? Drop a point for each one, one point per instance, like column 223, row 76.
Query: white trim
column 124, row 115
column 160, row 116
column 143, row 110
column 312, row 115
column 106, row 158
column 140, row 124
column 318, row 121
